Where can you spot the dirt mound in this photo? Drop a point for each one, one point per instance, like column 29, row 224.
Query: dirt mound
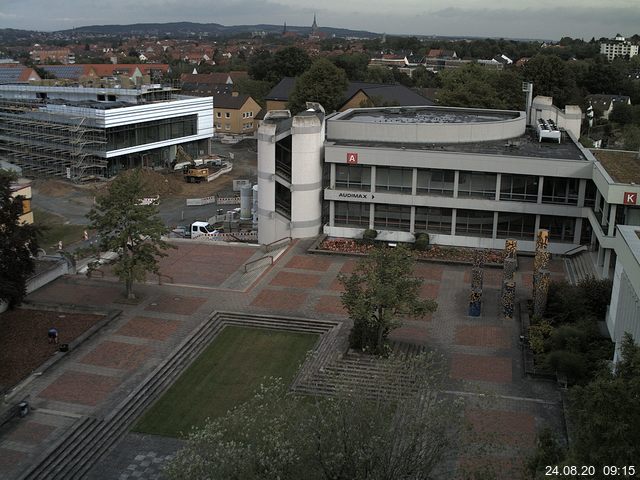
column 53, row 187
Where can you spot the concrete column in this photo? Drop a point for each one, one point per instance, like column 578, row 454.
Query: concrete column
column 605, row 214
column 540, row 187
column 494, row 233
column 412, row 224
column 456, row 181
column 596, row 208
column 600, row 259
column 582, row 188
column 454, row 212
column 414, row 183
column 536, row 227
column 372, row 212
column 373, row 179
column 606, row 263
column 332, row 178
column 612, row 219
column 498, row 183
column 577, row 231
column 332, row 213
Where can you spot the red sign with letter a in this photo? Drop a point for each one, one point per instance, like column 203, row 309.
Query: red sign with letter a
column 352, row 158
column 630, row 198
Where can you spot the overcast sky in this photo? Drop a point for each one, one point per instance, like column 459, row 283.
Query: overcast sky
column 548, row 19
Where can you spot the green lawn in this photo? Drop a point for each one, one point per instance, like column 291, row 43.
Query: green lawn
column 226, row 374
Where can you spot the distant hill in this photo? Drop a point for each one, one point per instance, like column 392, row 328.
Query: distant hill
column 212, row 29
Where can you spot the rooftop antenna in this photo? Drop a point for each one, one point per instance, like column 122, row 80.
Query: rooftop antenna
column 527, row 87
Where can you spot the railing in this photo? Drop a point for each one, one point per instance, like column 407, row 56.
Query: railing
column 573, row 251
column 252, row 263
column 274, row 245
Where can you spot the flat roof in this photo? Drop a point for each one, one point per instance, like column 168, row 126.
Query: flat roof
column 427, row 115
column 631, row 235
column 526, row 145
column 622, row 166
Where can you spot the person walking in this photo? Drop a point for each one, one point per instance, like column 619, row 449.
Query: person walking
column 53, row 335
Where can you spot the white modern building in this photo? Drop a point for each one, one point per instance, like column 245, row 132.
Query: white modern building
column 618, row 47
column 624, row 310
column 78, row 132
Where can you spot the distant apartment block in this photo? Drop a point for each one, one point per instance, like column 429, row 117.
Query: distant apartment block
column 618, row 47
column 50, row 55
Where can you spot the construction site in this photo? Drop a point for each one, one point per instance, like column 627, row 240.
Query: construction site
column 92, row 133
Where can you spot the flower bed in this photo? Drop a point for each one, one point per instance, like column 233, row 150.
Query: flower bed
column 436, row 252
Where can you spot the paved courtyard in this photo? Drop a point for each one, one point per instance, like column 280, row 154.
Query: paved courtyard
column 483, row 355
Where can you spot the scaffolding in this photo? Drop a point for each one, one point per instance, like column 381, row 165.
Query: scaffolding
column 61, row 144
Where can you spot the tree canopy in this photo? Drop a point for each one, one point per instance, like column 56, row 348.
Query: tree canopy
column 324, row 83
column 288, row 62
column 352, row 435
column 380, row 290
column 18, row 245
column 128, row 228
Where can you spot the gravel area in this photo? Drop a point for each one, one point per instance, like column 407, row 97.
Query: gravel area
column 24, row 344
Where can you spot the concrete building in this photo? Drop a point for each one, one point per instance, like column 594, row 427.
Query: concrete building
column 618, row 47
column 624, row 310
column 81, row 132
column 468, row 177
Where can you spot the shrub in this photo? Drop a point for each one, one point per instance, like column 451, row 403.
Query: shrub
column 596, row 294
column 370, row 234
column 538, row 333
column 571, row 364
column 565, row 303
column 422, row 242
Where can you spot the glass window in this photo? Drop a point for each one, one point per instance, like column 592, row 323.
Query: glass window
column 435, row 182
column 475, row 223
column 561, row 229
column 150, row 132
column 394, row 179
column 218, row 114
column 519, row 188
column 590, row 194
column 433, row 219
column 227, row 115
column 560, row 190
column 477, row 185
column 353, row 177
column 392, row 217
column 351, row 214
column 516, row 225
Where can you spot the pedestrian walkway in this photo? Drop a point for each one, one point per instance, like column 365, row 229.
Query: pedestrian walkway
column 482, row 353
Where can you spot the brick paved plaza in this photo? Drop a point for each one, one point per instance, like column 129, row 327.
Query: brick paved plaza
column 482, row 353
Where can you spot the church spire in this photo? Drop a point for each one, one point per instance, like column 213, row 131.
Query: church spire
column 314, row 26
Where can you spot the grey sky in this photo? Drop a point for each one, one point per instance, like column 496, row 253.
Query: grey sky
column 509, row 18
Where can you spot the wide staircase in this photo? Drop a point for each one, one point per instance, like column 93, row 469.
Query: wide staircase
column 580, row 267
column 90, row 438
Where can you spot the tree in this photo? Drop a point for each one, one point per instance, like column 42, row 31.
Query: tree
column 379, row 291
column 551, row 77
column 290, row 62
column 131, row 230
column 353, row 435
column 606, row 414
column 324, row 83
column 18, row 244
column 476, row 86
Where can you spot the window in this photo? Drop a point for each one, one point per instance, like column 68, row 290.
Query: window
column 560, row 228
column 477, row 185
column 519, row 188
column 433, row 219
column 250, row 114
column 351, row 214
column 516, row 225
column 435, row 182
column 590, row 194
column 218, row 114
column 218, row 126
column 227, row 126
column 392, row 217
column 475, row 223
column 149, row 132
column 394, row 179
column 353, row 177
column 227, row 115
column 560, row 190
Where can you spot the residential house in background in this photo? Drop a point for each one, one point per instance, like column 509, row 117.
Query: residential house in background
column 14, row 72
column 22, row 188
column 61, row 55
column 605, row 103
column 235, row 114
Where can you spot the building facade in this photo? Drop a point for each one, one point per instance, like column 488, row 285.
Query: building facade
column 618, row 47
column 81, row 132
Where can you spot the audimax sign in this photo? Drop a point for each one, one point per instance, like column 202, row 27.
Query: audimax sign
column 362, row 196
